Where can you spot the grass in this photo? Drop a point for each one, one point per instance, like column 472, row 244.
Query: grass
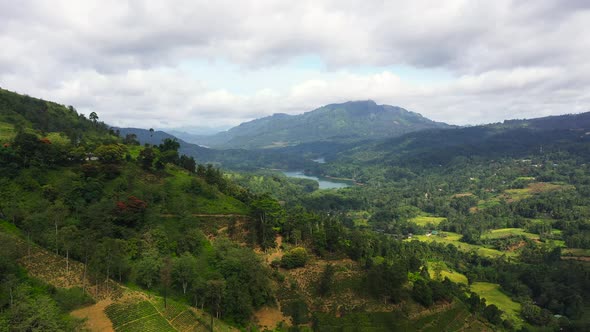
column 445, row 272
column 217, row 204
column 501, row 233
column 6, row 132
column 453, row 238
column 427, row 220
column 494, row 295
column 576, row 252
column 9, row 228
column 360, row 218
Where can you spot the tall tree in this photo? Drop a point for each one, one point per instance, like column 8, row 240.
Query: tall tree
column 184, row 269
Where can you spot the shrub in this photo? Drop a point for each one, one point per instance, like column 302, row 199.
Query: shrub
column 72, row 298
column 296, row 257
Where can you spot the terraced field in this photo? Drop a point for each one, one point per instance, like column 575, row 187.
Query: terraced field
column 427, row 220
column 508, row 232
column 453, row 238
column 445, row 272
column 493, row 295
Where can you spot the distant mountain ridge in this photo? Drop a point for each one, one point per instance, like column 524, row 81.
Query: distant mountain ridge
column 347, row 122
column 569, row 133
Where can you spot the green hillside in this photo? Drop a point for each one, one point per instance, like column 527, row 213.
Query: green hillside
column 348, row 122
column 432, row 236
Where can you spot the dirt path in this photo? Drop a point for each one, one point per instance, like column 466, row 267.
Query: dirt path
column 276, row 253
column 96, row 318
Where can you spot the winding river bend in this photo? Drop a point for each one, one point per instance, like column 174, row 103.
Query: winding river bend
column 325, row 183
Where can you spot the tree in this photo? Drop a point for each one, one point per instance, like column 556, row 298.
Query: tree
column 215, row 291
column 70, row 238
column 148, row 268
column 268, row 214
column 169, row 145
column 184, row 269
column 166, row 277
column 146, row 158
column 422, row 293
column 188, row 163
column 326, row 280
column 110, row 153
column 93, row 116
column 493, row 314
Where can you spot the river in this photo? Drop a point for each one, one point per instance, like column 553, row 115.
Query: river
column 325, row 183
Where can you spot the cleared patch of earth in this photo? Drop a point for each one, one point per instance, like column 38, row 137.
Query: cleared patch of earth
column 96, row 319
column 269, row 318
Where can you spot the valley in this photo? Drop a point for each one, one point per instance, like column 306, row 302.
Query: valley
column 456, row 229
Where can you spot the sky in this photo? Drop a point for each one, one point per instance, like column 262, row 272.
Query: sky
column 209, row 65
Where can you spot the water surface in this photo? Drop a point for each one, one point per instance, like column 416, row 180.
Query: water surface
column 325, row 183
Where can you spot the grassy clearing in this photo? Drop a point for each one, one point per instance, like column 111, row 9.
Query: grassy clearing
column 427, row 220
column 513, row 195
column 6, row 132
column 493, row 295
column 532, row 189
column 576, row 252
column 484, row 204
column 445, row 272
column 501, row 233
column 9, row 228
column 360, row 218
column 453, row 238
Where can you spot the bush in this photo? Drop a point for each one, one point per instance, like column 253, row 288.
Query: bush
column 296, row 257
column 72, row 298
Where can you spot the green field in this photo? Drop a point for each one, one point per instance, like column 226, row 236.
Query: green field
column 445, row 272
column 501, row 233
column 427, row 220
column 493, row 295
column 453, row 238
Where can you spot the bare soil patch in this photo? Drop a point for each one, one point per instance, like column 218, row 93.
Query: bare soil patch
column 96, row 319
column 269, row 317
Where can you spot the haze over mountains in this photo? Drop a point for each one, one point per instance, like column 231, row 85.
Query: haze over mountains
column 346, row 122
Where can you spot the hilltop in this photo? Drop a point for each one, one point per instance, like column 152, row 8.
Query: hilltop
column 347, row 122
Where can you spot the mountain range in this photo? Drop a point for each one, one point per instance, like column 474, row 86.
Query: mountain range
column 346, row 122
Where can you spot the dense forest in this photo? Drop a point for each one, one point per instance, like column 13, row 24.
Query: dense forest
column 465, row 229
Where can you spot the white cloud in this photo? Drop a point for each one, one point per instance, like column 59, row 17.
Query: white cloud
column 126, row 59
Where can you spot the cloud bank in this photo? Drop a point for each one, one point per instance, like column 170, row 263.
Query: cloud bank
column 177, row 64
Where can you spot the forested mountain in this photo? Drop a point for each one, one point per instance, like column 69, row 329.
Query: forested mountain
column 436, row 148
column 347, row 122
column 236, row 159
column 465, row 229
